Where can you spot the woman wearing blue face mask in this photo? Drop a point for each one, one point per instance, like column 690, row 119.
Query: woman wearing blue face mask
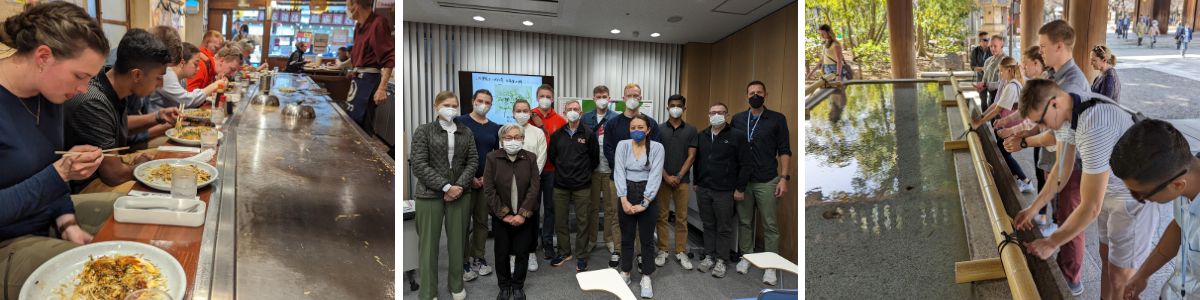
column 444, row 158
column 637, row 172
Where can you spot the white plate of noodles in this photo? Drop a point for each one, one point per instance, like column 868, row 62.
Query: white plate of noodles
column 157, row 173
column 106, row 270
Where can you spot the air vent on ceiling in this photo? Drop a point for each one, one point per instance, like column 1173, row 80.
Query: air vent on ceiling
column 543, row 8
column 739, row 7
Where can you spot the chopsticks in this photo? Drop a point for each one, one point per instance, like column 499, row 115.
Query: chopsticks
column 69, row 153
column 178, row 123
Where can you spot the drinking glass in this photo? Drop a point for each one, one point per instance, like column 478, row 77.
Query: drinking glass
column 208, row 140
column 148, row 294
column 218, row 117
column 183, row 182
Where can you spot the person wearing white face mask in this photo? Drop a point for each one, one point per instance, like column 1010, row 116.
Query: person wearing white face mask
column 617, row 130
column 679, row 140
column 549, row 121
column 534, row 142
column 487, row 139
column 1154, row 161
column 575, row 151
column 444, row 158
column 595, row 120
column 720, row 156
column 510, row 187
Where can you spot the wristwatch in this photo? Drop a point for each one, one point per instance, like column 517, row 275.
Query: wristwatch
column 63, row 229
column 158, row 118
column 786, row 177
column 1023, row 144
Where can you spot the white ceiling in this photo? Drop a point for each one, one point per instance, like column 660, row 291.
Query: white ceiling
column 701, row 20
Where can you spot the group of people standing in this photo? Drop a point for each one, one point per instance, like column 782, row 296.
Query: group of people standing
column 1099, row 163
column 623, row 164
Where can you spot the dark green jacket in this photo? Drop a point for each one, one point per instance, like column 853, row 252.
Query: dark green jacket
column 429, row 164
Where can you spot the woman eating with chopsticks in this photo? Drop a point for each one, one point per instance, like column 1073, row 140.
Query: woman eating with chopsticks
column 56, row 49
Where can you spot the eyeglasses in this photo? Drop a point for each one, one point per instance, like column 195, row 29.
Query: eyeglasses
column 1042, row 121
column 985, row 40
column 1161, row 186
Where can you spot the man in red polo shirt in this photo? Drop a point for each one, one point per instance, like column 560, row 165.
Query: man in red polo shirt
column 204, row 71
column 549, row 121
column 373, row 56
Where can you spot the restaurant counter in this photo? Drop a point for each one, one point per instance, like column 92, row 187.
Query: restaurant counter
column 304, row 207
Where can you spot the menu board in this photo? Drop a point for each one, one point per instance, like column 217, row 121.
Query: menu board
column 295, row 17
column 326, row 19
column 338, row 19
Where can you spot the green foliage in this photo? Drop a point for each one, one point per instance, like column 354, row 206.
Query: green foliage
column 861, row 26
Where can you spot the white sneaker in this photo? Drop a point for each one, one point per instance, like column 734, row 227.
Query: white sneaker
column 647, row 289
column 684, row 261
column 706, row 264
column 661, row 259
column 460, row 295
column 533, row 267
column 743, row 266
column 769, row 277
column 625, row 276
column 1024, row 186
column 484, row 267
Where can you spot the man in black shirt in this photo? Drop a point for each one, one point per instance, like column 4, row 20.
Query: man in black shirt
column 99, row 117
column 296, row 61
column 720, row 156
column 767, row 137
column 979, row 55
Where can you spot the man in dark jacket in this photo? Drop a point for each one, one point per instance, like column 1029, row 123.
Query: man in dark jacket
column 576, row 153
column 979, row 55
column 720, row 156
column 296, row 61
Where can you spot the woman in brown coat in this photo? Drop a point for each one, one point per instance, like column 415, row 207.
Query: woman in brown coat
column 510, row 185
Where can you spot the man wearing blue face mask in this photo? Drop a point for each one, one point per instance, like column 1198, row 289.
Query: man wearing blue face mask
column 1155, row 162
column 617, row 130
column 767, row 137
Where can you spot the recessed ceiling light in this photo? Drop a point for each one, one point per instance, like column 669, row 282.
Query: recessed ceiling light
column 527, row 23
column 479, row 18
column 654, row 34
column 615, row 31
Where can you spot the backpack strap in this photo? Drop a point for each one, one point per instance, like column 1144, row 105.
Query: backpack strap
column 1079, row 106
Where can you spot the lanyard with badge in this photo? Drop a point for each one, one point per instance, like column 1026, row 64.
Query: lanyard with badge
column 751, row 128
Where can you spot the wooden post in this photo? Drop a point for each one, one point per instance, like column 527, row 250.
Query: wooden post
column 1031, row 21
column 1089, row 18
column 1162, row 13
column 1189, row 12
column 901, row 36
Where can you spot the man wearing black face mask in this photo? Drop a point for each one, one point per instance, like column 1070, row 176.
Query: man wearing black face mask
column 767, row 135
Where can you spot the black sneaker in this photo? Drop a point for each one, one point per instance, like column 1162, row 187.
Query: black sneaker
column 548, row 251
column 518, row 294
column 559, row 260
column 615, row 260
column 505, row 294
column 581, row 265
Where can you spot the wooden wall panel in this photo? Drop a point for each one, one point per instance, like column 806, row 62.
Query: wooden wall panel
column 695, row 73
column 766, row 50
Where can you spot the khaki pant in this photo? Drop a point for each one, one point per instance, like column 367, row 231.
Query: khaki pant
column 20, row 256
column 672, row 196
column 601, row 183
column 762, row 196
column 584, row 211
column 431, row 215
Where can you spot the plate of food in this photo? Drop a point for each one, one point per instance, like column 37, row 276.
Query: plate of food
column 106, row 270
column 287, row 90
column 157, row 173
column 189, row 135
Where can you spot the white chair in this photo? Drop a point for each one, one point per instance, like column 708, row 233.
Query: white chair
column 770, row 260
column 606, row 280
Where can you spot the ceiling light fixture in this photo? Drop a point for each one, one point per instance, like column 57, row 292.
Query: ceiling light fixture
column 655, row 34
column 479, row 18
column 615, row 31
column 527, row 23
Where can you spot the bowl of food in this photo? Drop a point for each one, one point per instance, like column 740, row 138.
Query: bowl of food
column 106, row 270
column 287, row 90
column 157, row 173
column 189, row 135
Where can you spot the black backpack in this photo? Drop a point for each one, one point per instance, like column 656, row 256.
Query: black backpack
column 1078, row 106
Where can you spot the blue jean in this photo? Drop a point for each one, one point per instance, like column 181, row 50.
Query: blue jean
column 1183, row 48
column 832, row 69
column 1013, row 166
